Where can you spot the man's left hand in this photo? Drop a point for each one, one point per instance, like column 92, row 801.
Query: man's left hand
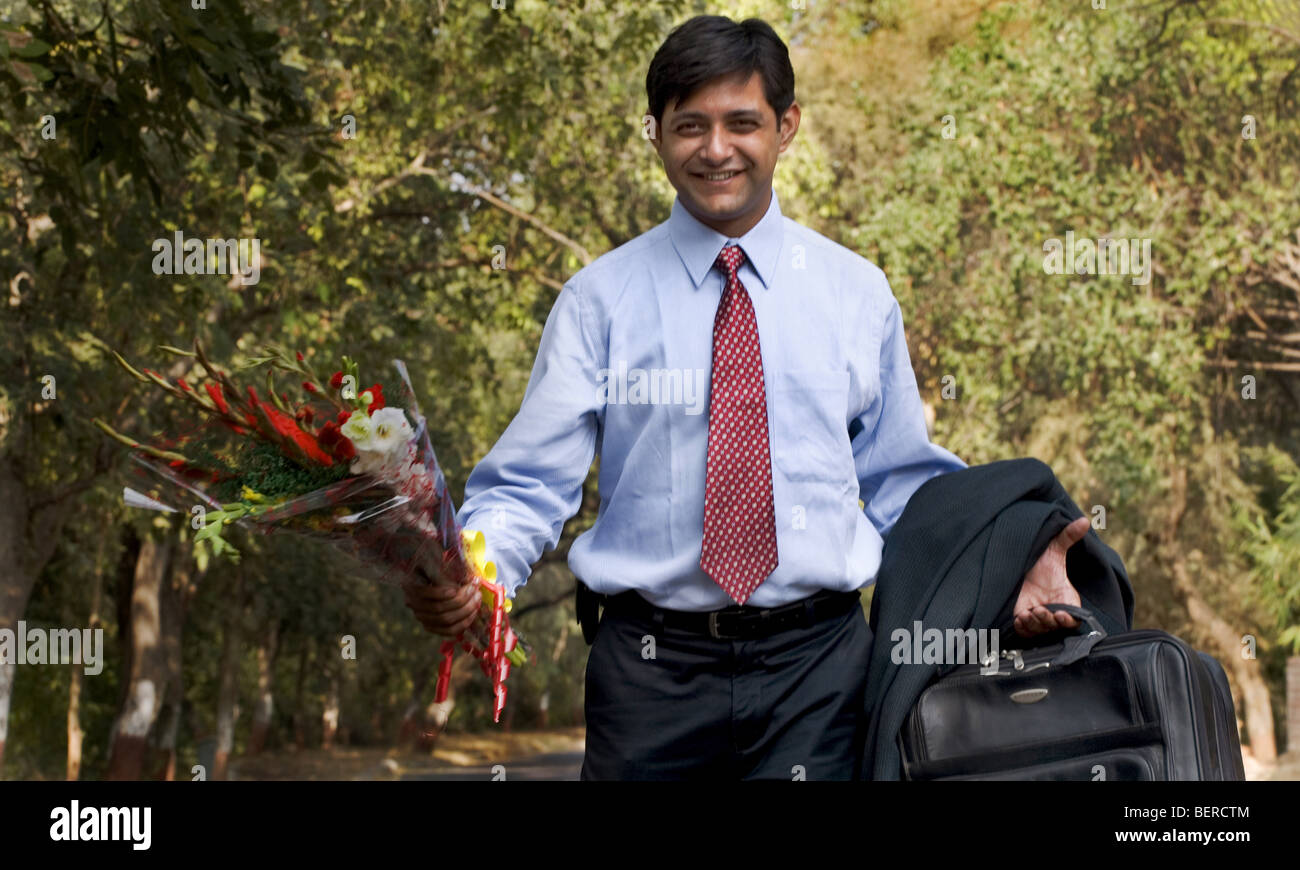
column 1047, row 583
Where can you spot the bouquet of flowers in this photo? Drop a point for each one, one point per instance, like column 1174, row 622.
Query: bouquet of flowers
column 365, row 480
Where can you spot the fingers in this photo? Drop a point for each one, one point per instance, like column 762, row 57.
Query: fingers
column 1065, row 620
column 1036, row 620
column 435, row 602
column 440, row 592
column 444, row 610
column 1073, row 533
column 1039, row 620
column 443, row 626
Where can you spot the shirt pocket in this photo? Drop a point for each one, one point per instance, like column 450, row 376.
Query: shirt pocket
column 812, row 440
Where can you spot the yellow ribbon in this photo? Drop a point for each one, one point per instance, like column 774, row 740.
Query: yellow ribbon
column 476, row 552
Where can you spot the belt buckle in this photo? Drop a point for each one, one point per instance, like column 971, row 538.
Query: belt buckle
column 713, row 628
column 713, row 624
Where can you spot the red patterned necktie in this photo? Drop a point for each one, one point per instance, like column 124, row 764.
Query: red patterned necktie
column 739, row 549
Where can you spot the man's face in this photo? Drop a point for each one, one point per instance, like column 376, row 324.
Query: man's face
column 719, row 149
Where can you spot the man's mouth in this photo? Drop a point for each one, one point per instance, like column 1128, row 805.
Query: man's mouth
column 718, row 177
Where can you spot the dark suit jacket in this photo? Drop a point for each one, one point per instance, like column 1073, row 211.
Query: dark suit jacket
column 955, row 559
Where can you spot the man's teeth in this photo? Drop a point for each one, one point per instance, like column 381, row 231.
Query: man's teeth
column 720, row 176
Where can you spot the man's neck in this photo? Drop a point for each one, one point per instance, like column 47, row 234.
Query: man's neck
column 737, row 227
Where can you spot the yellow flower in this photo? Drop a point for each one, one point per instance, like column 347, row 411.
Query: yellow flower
column 250, row 494
column 475, row 552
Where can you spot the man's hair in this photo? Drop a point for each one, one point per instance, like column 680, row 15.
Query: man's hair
column 709, row 47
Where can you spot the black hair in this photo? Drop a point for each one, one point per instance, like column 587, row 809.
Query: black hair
column 709, row 47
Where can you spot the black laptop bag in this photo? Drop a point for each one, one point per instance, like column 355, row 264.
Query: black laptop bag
column 1141, row 705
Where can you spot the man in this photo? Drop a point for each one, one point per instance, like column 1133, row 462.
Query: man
column 733, row 537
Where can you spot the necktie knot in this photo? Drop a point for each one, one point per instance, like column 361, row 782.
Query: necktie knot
column 730, row 259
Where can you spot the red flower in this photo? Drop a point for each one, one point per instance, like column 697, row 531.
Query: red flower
column 309, row 387
column 180, row 382
column 299, row 356
column 337, row 380
column 214, row 390
column 329, row 434
column 378, row 392
column 287, row 427
column 335, row 441
column 343, row 416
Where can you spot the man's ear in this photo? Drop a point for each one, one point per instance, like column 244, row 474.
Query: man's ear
column 788, row 125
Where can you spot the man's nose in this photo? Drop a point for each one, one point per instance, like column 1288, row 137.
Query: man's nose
column 717, row 145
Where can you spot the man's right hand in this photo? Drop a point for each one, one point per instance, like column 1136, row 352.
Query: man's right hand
column 442, row 607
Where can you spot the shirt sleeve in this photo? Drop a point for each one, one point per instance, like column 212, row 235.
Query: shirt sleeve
column 891, row 447
column 530, row 483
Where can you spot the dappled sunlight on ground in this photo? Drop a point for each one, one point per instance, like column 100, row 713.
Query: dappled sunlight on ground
column 456, row 756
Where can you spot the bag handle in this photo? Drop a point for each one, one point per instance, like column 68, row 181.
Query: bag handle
column 1077, row 646
column 1080, row 614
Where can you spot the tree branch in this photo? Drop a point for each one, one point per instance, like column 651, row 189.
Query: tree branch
column 544, row 603
column 582, row 253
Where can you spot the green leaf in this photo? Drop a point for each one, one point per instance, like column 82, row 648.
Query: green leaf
column 34, row 48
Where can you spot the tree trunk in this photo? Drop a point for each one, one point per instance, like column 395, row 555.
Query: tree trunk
column 265, row 707
column 15, row 582
column 123, row 590
column 147, row 674
column 299, row 714
column 74, row 727
column 75, row 734
column 1255, row 703
column 1293, row 704
column 409, row 730
column 330, row 715
column 228, row 686
column 175, row 606
column 31, row 524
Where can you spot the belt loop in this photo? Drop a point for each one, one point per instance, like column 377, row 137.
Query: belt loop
column 808, row 611
column 659, row 624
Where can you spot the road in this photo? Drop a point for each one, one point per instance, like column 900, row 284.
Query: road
column 551, row 766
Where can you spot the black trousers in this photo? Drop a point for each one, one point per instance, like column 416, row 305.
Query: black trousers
column 667, row 704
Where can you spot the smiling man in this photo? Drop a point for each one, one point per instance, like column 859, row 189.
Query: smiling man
column 730, row 546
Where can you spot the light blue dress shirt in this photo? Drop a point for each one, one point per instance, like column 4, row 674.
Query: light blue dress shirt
column 623, row 370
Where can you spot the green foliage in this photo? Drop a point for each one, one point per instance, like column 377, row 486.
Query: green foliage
column 267, row 471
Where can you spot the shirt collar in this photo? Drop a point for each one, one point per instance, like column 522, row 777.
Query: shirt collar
column 699, row 245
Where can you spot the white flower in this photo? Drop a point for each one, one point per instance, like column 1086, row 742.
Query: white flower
column 359, row 430
column 391, row 432
column 383, row 444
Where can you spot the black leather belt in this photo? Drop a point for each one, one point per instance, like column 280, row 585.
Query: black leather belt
column 739, row 621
